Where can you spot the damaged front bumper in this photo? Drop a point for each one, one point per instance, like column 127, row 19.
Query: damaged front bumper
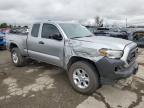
column 112, row 70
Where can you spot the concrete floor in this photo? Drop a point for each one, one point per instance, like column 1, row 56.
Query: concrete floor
column 40, row 85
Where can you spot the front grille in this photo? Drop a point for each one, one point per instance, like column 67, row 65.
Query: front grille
column 132, row 55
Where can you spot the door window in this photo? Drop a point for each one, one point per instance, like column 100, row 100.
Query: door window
column 49, row 30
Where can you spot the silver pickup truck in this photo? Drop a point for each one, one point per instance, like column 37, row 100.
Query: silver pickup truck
column 90, row 61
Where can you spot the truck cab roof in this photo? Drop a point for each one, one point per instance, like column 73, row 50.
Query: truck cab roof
column 57, row 22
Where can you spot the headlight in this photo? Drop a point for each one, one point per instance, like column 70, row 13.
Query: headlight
column 114, row 54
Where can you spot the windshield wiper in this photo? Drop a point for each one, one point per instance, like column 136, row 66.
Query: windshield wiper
column 75, row 37
column 82, row 37
column 89, row 36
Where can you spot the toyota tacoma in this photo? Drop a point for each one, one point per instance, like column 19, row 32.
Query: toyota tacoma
column 90, row 61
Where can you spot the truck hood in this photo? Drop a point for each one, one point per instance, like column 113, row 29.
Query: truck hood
column 98, row 42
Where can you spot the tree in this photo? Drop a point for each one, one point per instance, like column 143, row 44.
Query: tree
column 10, row 26
column 98, row 21
column 3, row 25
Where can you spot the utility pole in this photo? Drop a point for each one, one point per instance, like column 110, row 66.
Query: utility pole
column 126, row 22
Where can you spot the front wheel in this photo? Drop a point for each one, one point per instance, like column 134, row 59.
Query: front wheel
column 83, row 77
column 17, row 59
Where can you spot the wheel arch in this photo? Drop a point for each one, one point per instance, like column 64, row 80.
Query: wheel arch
column 76, row 59
column 13, row 45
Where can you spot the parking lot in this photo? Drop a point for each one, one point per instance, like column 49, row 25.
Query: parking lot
column 40, row 85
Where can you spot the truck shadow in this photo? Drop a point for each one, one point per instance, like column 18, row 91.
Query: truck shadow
column 60, row 95
column 50, row 88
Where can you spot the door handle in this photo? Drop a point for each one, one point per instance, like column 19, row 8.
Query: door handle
column 41, row 42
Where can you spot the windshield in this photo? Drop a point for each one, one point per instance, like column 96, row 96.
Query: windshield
column 75, row 30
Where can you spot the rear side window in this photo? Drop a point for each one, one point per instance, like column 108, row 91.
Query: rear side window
column 35, row 30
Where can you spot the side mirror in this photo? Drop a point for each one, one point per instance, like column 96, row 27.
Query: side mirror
column 57, row 36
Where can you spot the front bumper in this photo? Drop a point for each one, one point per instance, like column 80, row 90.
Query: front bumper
column 111, row 70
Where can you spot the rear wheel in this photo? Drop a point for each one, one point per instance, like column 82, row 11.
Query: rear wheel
column 17, row 59
column 83, row 77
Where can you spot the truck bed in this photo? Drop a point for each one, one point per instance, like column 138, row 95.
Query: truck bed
column 19, row 39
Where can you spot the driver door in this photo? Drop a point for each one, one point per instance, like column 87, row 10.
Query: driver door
column 50, row 49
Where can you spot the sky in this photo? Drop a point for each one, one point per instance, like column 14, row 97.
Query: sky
column 112, row 11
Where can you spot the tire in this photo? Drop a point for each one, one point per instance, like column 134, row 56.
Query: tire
column 17, row 59
column 92, row 77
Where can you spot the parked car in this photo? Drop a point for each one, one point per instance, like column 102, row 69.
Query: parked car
column 21, row 30
column 88, row 60
column 2, row 41
column 136, row 35
column 111, row 32
column 98, row 31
